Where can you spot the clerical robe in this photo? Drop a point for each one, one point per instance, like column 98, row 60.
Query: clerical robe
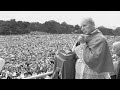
column 97, row 54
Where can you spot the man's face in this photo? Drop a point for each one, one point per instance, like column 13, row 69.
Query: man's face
column 86, row 27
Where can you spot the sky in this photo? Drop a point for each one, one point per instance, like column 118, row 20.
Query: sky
column 110, row 19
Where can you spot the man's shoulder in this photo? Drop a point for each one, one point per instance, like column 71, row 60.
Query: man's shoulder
column 98, row 38
column 99, row 35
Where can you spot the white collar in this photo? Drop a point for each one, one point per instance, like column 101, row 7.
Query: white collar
column 94, row 31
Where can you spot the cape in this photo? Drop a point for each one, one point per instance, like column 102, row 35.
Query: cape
column 97, row 53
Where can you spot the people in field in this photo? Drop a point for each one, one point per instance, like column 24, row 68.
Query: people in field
column 116, row 51
column 94, row 57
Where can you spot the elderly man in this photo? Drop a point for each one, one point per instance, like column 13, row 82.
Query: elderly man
column 96, row 60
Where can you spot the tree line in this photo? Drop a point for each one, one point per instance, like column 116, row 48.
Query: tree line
column 13, row 27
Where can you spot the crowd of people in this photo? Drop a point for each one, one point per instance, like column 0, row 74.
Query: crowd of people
column 30, row 55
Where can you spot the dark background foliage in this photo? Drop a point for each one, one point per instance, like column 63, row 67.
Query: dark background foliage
column 13, row 27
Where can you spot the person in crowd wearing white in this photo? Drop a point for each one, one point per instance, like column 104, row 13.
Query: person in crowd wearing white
column 2, row 63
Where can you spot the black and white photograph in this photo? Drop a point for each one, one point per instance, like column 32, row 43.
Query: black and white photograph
column 59, row 44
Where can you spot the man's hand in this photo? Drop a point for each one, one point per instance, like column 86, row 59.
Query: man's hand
column 82, row 38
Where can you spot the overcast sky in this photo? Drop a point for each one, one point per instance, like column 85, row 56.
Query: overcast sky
column 109, row 19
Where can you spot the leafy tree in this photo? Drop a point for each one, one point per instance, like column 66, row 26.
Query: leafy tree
column 52, row 26
column 117, row 31
column 78, row 29
column 106, row 31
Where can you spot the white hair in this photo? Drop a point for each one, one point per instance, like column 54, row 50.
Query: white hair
column 89, row 20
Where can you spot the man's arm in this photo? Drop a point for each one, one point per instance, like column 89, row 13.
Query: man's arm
column 76, row 44
column 93, row 51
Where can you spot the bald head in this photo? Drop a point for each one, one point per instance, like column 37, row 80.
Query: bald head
column 116, row 48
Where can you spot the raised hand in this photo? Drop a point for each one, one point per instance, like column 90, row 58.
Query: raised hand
column 82, row 38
